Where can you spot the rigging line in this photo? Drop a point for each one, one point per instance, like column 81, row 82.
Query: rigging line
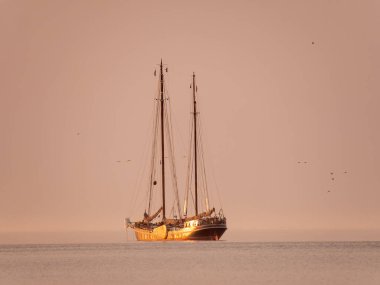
column 202, row 186
column 191, row 178
column 201, row 154
column 148, row 194
column 210, row 162
column 189, row 166
column 190, row 182
column 153, row 158
column 199, row 167
column 192, row 199
column 174, row 167
column 136, row 192
column 169, row 148
column 153, row 135
column 138, row 181
column 169, row 135
column 153, row 152
column 192, row 155
column 203, row 164
column 175, row 125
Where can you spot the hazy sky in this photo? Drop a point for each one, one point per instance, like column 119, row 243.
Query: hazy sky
column 280, row 82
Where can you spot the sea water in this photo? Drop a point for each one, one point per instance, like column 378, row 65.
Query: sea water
column 290, row 263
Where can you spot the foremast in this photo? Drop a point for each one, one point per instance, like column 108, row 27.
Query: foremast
column 162, row 140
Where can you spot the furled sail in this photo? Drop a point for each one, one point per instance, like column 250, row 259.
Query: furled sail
column 148, row 218
column 201, row 215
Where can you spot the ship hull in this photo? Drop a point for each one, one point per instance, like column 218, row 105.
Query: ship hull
column 203, row 232
column 210, row 232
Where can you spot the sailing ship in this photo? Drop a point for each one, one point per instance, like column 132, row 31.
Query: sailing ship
column 204, row 222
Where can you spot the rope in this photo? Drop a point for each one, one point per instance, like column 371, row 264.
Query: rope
column 142, row 170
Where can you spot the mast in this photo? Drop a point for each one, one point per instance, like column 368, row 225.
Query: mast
column 195, row 147
column 162, row 140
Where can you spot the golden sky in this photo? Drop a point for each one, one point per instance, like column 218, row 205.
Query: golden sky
column 280, row 82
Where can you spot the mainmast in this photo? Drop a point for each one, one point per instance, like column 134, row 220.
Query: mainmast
column 162, row 140
column 195, row 147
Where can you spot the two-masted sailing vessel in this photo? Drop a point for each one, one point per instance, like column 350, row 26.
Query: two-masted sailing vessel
column 204, row 222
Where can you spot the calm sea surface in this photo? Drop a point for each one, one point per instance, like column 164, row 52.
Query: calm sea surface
column 221, row 262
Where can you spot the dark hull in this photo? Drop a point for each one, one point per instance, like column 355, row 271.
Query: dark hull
column 208, row 232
